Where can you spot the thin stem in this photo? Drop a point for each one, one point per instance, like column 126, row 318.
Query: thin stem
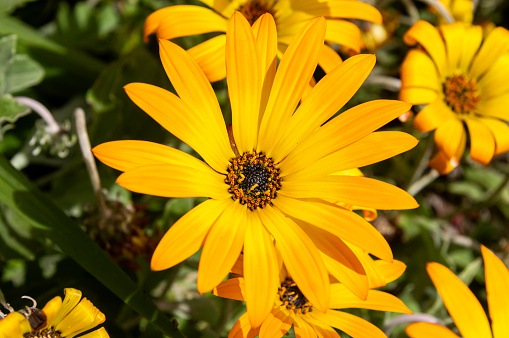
column 387, row 82
column 422, row 182
column 84, row 141
column 423, row 162
column 442, row 10
column 53, row 127
column 404, row 319
column 412, row 10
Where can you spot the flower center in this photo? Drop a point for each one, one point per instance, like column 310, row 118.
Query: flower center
column 46, row 333
column 293, row 298
column 461, row 94
column 253, row 179
column 252, row 10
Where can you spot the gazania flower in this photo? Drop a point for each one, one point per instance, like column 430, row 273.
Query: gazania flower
column 291, row 307
column 290, row 16
column 274, row 170
column 56, row 320
column 463, row 84
column 466, row 311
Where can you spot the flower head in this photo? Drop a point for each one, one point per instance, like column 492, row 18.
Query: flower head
column 271, row 183
column 56, row 320
column 290, row 16
column 466, row 311
column 462, row 83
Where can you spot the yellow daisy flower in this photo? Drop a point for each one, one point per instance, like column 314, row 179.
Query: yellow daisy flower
column 290, row 16
column 466, row 311
column 276, row 171
column 461, row 10
column 56, row 320
column 462, row 83
column 291, row 307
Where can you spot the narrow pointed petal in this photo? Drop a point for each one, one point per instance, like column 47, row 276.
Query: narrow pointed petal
column 426, row 330
column 222, row 246
column 342, row 298
column 373, row 148
column 433, row 115
column 497, row 286
column 344, row 224
column 482, row 142
column 329, row 59
column 128, row 154
column 292, row 77
column 340, row 9
column 201, row 133
column 346, row 128
column 176, row 21
column 210, row 56
column 100, row 333
column 186, row 236
column 464, row 308
column 300, row 255
column 359, row 191
column 344, row 33
column 175, row 181
column 261, row 270
column 243, row 75
column 276, row 324
column 232, row 288
column 500, row 132
column 243, row 329
column 350, row 324
column 449, row 135
column 389, row 271
column 324, row 101
column 418, row 70
column 493, row 47
column 376, row 278
column 423, row 33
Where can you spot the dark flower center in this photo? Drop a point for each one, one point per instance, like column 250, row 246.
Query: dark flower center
column 293, row 298
column 252, row 10
column 461, row 94
column 253, row 179
column 46, row 333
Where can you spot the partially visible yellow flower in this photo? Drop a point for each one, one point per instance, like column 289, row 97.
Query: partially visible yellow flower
column 461, row 10
column 291, row 307
column 463, row 84
column 56, row 320
column 376, row 35
column 290, row 15
column 464, row 308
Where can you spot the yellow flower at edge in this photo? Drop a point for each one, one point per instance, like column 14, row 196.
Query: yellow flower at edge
column 461, row 10
column 463, row 83
column 56, row 320
column 466, row 311
column 279, row 170
column 290, row 16
column 291, row 307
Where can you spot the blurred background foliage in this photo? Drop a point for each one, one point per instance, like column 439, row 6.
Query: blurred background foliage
column 80, row 54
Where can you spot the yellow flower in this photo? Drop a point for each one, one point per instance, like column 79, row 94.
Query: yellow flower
column 290, row 16
column 277, row 172
column 56, row 319
column 461, row 10
column 291, row 307
column 462, row 83
column 466, row 311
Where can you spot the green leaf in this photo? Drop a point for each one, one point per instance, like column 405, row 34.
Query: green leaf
column 22, row 72
column 8, row 6
column 10, row 111
column 21, row 196
column 7, row 51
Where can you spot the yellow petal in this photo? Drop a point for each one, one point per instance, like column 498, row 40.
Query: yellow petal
column 243, row 329
column 497, row 286
column 417, row 95
column 276, row 324
column 433, row 115
column 72, row 298
column 427, row 36
column 51, row 310
column 232, row 288
column 426, row 330
column 471, row 42
column 10, row 326
column 261, row 270
column 493, row 47
column 464, row 308
column 350, row 324
column 494, row 83
column 346, row 128
column 199, row 131
column 340, row 9
column 324, row 101
column 344, row 224
column 449, row 135
column 222, row 246
column 300, row 255
column 243, row 75
column 101, row 333
column 175, row 181
column 482, row 142
column 373, row 148
column 81, row 318
column 495, row 107
column 418, row 70
column 444, row 164
column 302, row 329
column 210, row 56
column 453, row 36
column 500, row 132
column 344, row 33
column 293, row 75
column 129, row 154
column 389, row 271
column 329, row 59
column 186, row 236
column 176, row 21
column 360, row 191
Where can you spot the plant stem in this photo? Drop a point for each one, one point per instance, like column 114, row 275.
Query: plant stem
column 440, row 7
column 53, row 127
column 421, row 183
